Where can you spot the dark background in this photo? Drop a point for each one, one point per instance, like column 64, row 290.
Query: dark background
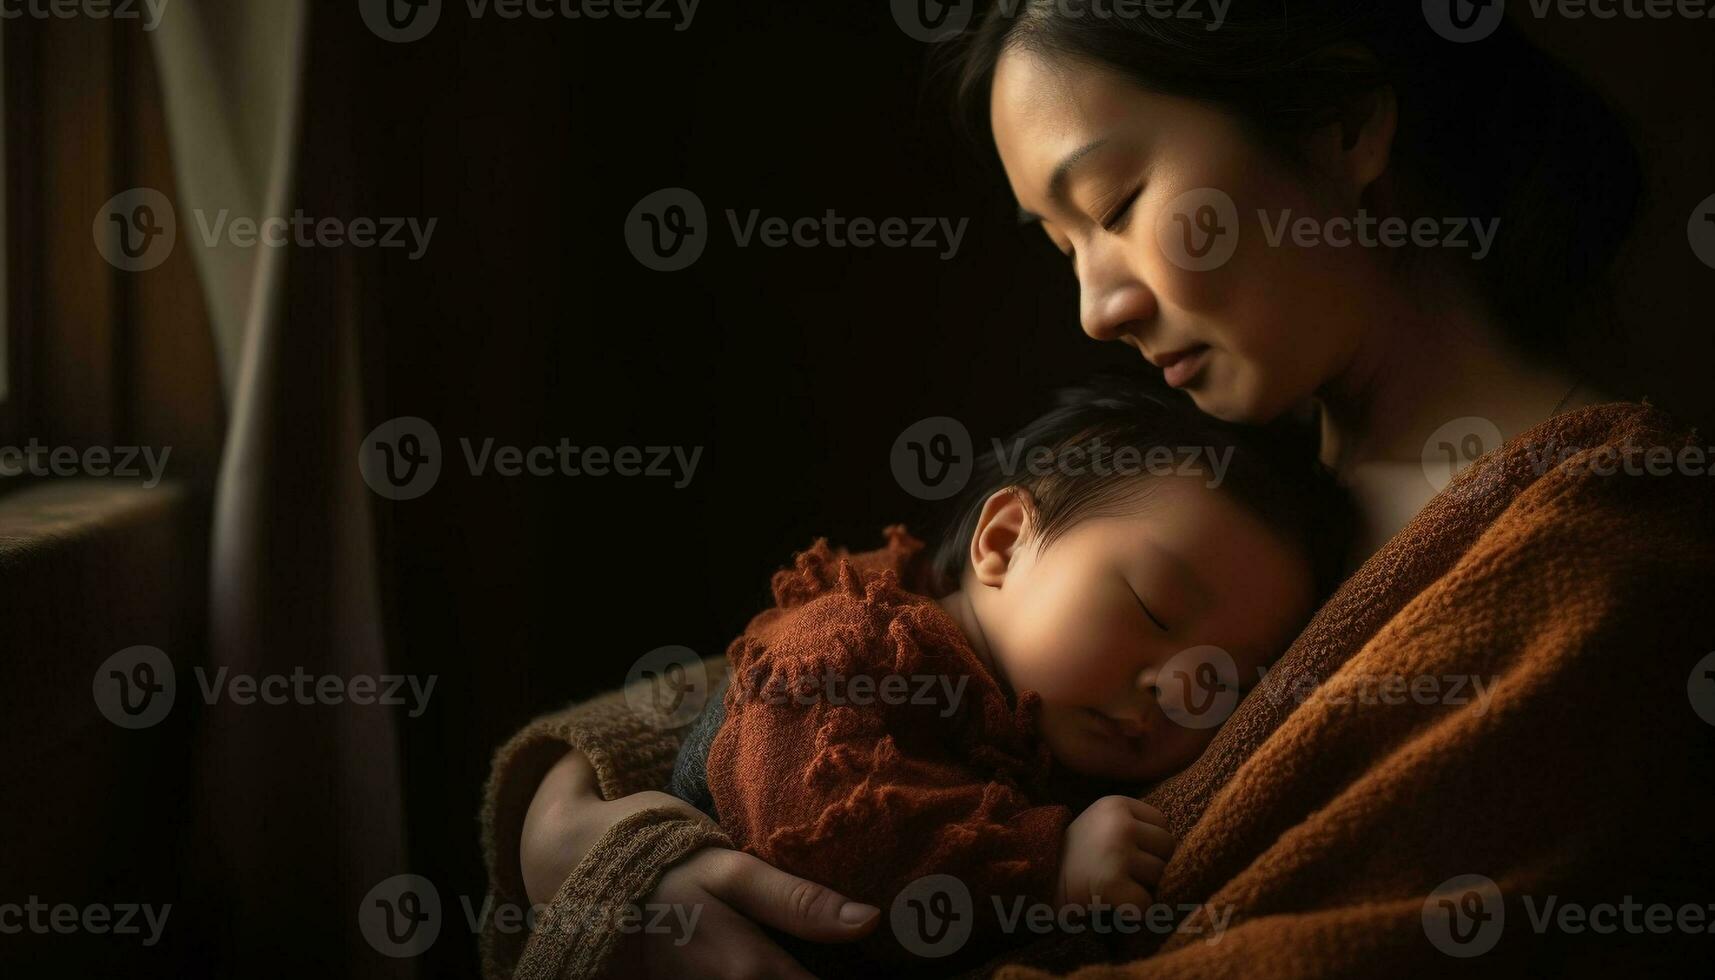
column 528, row 320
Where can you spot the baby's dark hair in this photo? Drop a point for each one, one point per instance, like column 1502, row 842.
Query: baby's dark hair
column 1092, row 442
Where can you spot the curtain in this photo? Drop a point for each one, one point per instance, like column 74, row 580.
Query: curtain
column 300, row 804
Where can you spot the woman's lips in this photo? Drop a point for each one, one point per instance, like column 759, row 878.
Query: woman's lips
column 1179, row 368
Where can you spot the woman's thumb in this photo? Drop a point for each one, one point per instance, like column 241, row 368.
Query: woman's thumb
column 793, row 905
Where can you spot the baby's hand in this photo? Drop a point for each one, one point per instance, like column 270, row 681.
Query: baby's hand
column 1114, row 852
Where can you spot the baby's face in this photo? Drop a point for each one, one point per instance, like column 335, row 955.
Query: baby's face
column 1138, row 631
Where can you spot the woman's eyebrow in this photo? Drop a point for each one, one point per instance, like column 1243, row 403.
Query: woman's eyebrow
column 1062, row 173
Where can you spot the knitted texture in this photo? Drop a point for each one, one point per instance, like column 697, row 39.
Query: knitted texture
column 1317, row 827
column 630, row 751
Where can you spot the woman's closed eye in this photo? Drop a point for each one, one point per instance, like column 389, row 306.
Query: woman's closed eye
column 1116, row 218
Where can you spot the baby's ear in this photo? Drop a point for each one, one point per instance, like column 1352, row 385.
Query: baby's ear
column 1001, row 528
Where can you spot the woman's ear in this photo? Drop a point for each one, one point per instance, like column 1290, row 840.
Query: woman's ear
column 1001, row 529
column 1354, row 148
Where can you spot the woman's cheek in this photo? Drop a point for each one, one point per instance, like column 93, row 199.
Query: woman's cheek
column 1200, row 292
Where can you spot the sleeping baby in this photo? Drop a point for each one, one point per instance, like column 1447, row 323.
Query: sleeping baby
column 1121, row 571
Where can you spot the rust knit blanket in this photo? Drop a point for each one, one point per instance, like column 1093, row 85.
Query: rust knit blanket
column 1366, row 811
column 866, row 746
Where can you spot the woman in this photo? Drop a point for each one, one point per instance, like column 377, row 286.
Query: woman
column 1144, row 147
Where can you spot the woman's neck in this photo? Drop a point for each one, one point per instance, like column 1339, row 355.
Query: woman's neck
column 1421, row 372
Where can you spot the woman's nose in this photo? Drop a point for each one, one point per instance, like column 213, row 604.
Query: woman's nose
column 1113, row 301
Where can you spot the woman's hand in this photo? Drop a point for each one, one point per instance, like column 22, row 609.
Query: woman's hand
column 728, row 891
column 1114, row 851
column 567, row 816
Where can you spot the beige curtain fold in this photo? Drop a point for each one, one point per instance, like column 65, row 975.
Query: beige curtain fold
column 301, row 805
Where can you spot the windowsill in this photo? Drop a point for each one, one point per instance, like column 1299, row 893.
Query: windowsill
column 89, row 567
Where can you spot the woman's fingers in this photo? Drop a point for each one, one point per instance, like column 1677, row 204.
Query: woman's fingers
column 722, row 943
column 787, row 902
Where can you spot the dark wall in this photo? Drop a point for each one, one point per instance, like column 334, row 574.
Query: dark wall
column 528, row 320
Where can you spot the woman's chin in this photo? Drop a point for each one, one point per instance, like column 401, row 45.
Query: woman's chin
column 1229, row 402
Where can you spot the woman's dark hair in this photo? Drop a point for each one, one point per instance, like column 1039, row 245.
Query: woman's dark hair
column 1493, row 128
column 1086, row 457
